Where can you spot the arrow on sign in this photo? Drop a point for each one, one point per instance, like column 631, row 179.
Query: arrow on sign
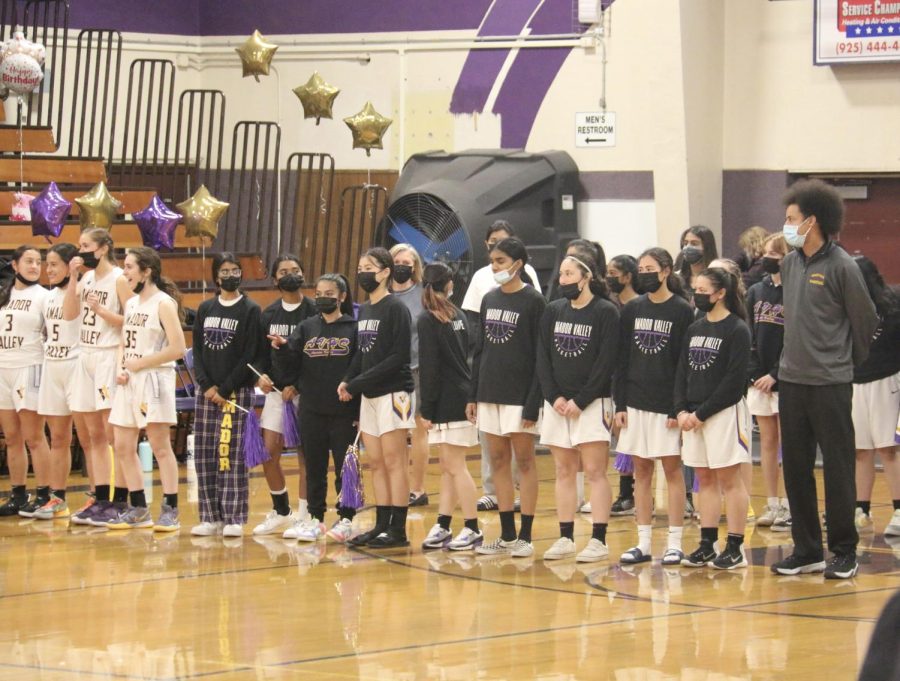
column 591, row 139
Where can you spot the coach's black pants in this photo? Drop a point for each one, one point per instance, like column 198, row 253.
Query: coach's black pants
column 321, row 434
column 819, row 415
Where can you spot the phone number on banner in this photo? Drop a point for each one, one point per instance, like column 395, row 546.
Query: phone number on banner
column 868, row 47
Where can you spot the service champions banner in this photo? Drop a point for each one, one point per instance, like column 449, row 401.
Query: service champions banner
column 856, row 31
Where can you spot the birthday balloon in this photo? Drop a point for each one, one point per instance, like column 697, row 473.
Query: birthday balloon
column 49, row 211
column 368, row 127
column 157, row 225
column 256, row 55
column 21, row 70
column 98, row 208
column 202, row 213
column 21, row 208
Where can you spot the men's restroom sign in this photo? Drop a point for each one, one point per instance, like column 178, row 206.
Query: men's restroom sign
column 595, row 129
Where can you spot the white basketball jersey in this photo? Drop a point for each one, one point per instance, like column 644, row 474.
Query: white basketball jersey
column 95, row 331
column 62, row 336
column 143, row 332
column 21, row 327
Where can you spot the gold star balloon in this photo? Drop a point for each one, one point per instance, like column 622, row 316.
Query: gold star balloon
column 202, row 213
column 256, row 55
column 98, row 208
column 316, row 96
column 368, row 127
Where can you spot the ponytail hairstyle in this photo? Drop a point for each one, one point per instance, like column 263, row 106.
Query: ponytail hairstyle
column 102, row 237
column 626, row 264
column 7, row 287
column 735, row 269
column 148, row 259
column 343, row 285
column 585, row 263
column 592, row 249
column 664, row 260
column 220, row 259
column 382, row 258
column 722, row 279
column 416, row 258
column 515, row 249
column 436, row 277
column 886, row 299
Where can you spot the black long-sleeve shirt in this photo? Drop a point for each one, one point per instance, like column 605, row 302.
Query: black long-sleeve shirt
column 318, row 355
column 765, row 307
column 884, row 352
column 712, row 370
column 504, row 364
column 444, row 375
column 578, row 351
column 276, row 320
column 649, row 348
column 381, row 366
column 226, row 339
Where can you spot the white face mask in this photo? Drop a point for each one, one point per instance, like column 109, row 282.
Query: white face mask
column 792, row 235
column 504, row 276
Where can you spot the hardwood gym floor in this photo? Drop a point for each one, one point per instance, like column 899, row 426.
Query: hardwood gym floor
column 87, row 604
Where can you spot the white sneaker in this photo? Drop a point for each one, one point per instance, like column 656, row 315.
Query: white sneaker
column 341, row 531
column 585, row 507
column 437, row 538
column 893, row 527
column 274, row 523
column 594, row 551
column 466, row 540
column 863, row 520
column 207, row 529
column 769, row 515
column 520, row 548
column 233, row 530
column 305, row 530
column 562, row 548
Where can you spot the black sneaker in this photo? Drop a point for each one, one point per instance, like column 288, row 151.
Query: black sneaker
column 388, row 540
column 622, row 506
column 13, row 506
column 703, row 556
column 797, row 565
column 732, row 557
column 841, row 567
column 364, row 538
column 487, row 503
column 418, row 500
column 29, row 509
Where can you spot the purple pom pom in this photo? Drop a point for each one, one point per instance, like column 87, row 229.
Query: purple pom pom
column 289, row 426
column 696, row 486
column 780, row 454
column 624, row 464
column 352, row 495
column 255, row 452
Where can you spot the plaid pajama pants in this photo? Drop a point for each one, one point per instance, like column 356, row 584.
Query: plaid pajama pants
column 221, row 474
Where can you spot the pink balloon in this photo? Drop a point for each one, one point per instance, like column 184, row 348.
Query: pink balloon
column 21, row 208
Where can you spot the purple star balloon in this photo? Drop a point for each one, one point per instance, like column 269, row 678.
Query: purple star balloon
column 49, row 211
column 157, row 224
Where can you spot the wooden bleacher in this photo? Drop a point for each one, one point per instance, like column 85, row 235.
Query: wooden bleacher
column 34, row 139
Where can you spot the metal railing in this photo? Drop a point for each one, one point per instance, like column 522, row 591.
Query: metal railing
column 360, row 211
column 47, row 22
column 95, row 94
column 306, row 209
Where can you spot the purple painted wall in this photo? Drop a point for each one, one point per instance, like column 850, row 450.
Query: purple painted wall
column 750, row 197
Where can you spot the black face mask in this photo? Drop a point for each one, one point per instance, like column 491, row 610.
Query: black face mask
column 615, row 285
column 230, row 284
column 702, row 302
column 771, row 265
column 367, row 281
column 89, row 258
column 649, row 282
column 290, row 282
column 691, row 255
column 25, row 281
column 569, row 291
column 326, row 305
column 402, row 273
column 63, row 283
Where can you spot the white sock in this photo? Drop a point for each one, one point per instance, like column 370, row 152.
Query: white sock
column 785, row 505
column 644, row 534
column 674, row 539
column 579, row 486
column 302, row 509
column 772, row 502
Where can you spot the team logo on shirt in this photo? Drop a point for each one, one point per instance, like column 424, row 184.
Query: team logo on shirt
column 767, row 313
column 817, row 278
column 703, row 351
column 322, row 346
column 500, row 325
column 652, row 335
column 218, row 332
column 368, row 334
column 570, row 339
column 281, row 329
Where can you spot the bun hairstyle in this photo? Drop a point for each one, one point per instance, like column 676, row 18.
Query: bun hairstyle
column 340, row 281
column 7, row 287
column 102, row 237
column 722, row 279
column 588, row 267
column 515, row 249
column 436, row 278
column 148, row 259
column 664, row 259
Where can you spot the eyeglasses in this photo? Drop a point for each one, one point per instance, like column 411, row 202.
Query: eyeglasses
column 230, row 273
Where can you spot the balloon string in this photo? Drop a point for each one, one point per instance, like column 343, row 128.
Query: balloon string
column 21, row 147
column 203, row 261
